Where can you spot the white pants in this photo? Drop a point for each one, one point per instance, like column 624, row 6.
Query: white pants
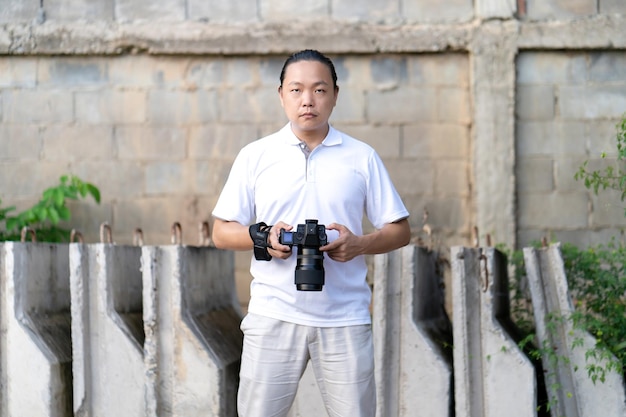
column 275, row 355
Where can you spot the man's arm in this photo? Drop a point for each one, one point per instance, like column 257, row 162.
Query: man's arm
column 231, row 235
column 347, row 246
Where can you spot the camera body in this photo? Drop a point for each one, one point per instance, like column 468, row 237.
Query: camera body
column 309, row 237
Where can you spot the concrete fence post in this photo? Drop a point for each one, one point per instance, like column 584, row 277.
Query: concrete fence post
column 412, row 335
column 493, row 377
column 193, row 341
column 572, row 392
column 107, row 330
column 36, row 352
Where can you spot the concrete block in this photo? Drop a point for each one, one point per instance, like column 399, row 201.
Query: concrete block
column 38, row 106
column 107, row 330
column 208, row 178
column 402, row 105
column 36, row 373
column 602, row 137
column 366, row 10
column 205, row 73
column 435, row 140
column 219, row 141
column 492, row 376
column 134, row 71
column 18, row 11
column 110, row 107
column 489, row 9
column 564, row 170
column 166, row 178
column 551, row 138
column 242, row 106
column 560, row 9
column 608, row 210
column 216, row 11
column 166, row 107
column 592, row 102
column 546, row 210
column 388, row 72
column 452, row 178
column 448, row 214
column 64, row 72
column 77, row 142
column 149, row 11
column 151, row 143
column 270, row 68
column 535, row 175
column 574, row 392
column 26, row 180
column 350, row 108
column 19, row 142
column 412, row 176
column 608, row 66
column 433, row 11
column 193, row 342
column 118, row 179
column 612, row 6
column 280, row 10
column 384, row 139
column 240, row 73
column 453, row 106
column 535, row 102
column 552, row 68
column 72, row 10
column 412, row 335
column 18, row 72
column 449, row 69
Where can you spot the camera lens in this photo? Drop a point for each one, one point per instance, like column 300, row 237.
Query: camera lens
column 309, row 275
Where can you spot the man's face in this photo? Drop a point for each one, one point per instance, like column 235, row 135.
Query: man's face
column 308, row 96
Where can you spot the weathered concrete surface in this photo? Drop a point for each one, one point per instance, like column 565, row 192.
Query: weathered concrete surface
column 36, row 356
column 107, row 330
column 412, row 335
column 193, row 342
column 570, row 389
column 492, row 377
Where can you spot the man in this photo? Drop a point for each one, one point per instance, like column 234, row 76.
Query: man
column 308, row 170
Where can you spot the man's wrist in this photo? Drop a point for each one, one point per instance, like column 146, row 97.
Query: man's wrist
column 259, row 233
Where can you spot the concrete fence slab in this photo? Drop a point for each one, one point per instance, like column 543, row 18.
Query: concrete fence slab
column 572, row 392
column 492, row 377
column 107, row 330
column 193, row 342
column 36, row 373
column 412, row 335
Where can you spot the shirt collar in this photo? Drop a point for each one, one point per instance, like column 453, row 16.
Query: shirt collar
column 332, row 138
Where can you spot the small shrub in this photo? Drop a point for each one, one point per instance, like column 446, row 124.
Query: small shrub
column 46, row 214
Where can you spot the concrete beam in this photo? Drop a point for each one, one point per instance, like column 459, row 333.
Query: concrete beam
column 36, row 353
column 191, row 38
column 412, row 335
column 571, row 390
column 492, row 377
column 193, row 342
column 107, row 330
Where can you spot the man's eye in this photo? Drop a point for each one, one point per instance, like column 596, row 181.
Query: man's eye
column 295, row 90
column 320, row 91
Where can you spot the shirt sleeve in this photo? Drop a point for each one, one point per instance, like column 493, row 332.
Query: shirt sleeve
column 383, row 204
column 236, row 201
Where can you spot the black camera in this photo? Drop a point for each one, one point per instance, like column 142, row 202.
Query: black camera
column 309, row 275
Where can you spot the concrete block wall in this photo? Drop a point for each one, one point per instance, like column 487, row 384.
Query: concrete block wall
column 567, row 107
column 151, row 101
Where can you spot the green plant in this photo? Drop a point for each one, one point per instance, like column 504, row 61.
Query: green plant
column 610, row 177
column 46, row 214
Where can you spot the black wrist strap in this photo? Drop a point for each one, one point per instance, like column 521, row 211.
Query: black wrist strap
column 259, row 233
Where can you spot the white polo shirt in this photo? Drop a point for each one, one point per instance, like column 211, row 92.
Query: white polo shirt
column 342, row 179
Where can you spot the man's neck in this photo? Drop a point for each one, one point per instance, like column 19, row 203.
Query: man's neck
column 312, row 138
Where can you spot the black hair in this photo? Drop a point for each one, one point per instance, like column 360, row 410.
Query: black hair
column 309, row 55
